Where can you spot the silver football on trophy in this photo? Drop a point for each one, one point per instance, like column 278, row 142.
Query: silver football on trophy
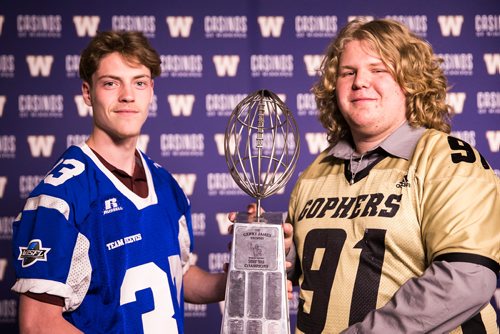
column 262, row 144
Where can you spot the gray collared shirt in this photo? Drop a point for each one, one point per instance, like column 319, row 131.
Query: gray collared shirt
column 401, row 143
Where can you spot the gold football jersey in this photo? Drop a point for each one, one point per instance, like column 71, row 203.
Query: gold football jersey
column 358, row 244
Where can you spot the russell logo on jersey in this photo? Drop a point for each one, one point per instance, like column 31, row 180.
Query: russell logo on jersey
column 111, row 205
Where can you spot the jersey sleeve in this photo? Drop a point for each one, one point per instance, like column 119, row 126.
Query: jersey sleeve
column 50, row 254
column 459, row 202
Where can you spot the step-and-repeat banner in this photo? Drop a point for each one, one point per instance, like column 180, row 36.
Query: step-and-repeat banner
column 213, row 54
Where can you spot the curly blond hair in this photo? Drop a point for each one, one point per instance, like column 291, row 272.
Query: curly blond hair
column 410, row 60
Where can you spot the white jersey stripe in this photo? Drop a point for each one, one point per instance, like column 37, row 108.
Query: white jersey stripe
column 49, row 202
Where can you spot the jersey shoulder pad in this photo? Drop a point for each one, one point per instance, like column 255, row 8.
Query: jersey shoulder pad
column 65, row 174
column 439, row 154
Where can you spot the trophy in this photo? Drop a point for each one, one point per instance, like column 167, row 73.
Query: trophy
column 262, row 147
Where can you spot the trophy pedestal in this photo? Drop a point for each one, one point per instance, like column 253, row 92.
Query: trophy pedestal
column 256, row 294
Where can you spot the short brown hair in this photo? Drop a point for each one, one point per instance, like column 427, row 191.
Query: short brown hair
column 132, row 45
column 410, row 60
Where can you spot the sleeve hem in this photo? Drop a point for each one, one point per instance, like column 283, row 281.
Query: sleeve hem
column 470, row 258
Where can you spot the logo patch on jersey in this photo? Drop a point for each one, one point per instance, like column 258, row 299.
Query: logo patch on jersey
column 404, row 183
column 111, row 205
column 34, row 252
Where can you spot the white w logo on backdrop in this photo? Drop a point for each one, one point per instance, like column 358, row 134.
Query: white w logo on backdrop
column 313, row 63
column 223, row 223
column 270, row 26
column 186, row 182
column 181, row 105
column 39, row 65
column 84, row 110
column 86, row 25
column 3, row 99
column 3, row 183
column 179, row 26
column 219, row 142
column 456, row 100
column 3, row 266
column 226, row 65
column 493, row 140
column 316, row 142
column 450, row 24
column 41, row 145
column 366, row 18
column 492, row 61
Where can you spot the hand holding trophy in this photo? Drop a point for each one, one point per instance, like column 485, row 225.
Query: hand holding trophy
column 262, row 146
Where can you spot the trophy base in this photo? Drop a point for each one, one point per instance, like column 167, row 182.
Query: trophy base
column 256, row 294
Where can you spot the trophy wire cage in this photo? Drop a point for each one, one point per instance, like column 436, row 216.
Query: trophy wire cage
column 262, row 144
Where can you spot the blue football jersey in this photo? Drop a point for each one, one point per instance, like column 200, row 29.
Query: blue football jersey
column 117, row 259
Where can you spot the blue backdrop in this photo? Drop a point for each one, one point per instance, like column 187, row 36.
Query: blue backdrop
column 213, row 54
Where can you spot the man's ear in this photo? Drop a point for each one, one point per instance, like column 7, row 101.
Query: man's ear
column 86, row 93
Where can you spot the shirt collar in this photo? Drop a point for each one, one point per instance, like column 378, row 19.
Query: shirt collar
column 139, row 172
column 401, row 143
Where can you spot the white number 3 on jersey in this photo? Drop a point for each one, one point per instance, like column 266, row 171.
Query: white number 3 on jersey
column 58, row 176
column 151, row 276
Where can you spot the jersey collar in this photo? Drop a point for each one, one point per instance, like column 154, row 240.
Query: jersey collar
column 401, row 143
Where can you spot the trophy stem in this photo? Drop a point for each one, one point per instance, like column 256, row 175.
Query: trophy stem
column 258, row 209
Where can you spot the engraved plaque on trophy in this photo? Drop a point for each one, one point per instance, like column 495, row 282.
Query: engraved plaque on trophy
column 262, row 147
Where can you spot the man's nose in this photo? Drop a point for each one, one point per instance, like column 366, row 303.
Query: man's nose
column 126, row 94
column 362, row 79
